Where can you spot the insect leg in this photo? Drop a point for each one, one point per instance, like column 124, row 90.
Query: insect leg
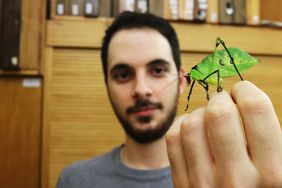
column 206, row 87
column 219, row 88
column 219, row 41
column 190, row 92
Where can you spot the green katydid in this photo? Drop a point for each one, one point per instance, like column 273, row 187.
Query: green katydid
column 218, row 65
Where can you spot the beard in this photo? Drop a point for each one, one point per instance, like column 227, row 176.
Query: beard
column 148, row 135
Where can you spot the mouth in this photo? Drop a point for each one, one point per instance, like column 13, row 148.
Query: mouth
column 143, row 108
column 144, row 111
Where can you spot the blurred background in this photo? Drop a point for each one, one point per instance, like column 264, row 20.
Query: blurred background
column 54, row 108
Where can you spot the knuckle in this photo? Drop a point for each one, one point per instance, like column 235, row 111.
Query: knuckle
column 171, row 137
column 272, row 177
column 257, row 104
column 173, row 134
column 180, row 184
column 191, row 131
column 232, row 149
column 190, row 125
column 201, row 181
column 272, row 182
column 238, row 177
column 238, row 182
column 172, row 157
column 219, row 112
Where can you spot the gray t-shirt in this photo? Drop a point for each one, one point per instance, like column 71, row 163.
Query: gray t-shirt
column 107, row 171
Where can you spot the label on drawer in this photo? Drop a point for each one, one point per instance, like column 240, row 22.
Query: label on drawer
column 31, row 82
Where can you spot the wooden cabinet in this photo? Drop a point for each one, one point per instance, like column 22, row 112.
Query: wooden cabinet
column 78, row 120
column 20, row 132
column 21, row 104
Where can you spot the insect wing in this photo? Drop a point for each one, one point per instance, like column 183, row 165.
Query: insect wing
column 242, row 60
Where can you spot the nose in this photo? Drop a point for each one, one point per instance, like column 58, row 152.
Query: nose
column 141, row 88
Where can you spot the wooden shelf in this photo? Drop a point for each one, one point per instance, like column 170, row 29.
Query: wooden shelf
column 80, row 32
column 19, row 73
column 88, row 33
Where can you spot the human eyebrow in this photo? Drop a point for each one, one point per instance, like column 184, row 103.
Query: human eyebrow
column 118, row 67
column 160, row 62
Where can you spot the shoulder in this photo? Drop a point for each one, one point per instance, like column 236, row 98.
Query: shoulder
column 84, row 170
column 86, row 166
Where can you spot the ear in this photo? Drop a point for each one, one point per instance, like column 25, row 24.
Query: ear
column 182, row 81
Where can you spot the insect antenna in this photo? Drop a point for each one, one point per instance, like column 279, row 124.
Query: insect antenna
column 167, row 86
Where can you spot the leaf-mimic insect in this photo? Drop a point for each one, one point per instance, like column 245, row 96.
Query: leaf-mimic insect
column 218, row 65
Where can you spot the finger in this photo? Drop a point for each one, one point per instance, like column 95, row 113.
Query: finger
column 179, row 169
column 225, row 134
column 196, row 150
column 262, row 128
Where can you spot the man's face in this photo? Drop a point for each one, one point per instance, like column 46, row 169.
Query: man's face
column 140, row 67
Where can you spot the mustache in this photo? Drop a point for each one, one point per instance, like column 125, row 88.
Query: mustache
column 141, row 104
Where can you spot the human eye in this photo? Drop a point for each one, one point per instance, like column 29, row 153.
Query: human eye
column 158, row 70
column 122, row 75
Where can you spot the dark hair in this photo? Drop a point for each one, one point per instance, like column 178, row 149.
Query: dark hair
column 129, row 20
